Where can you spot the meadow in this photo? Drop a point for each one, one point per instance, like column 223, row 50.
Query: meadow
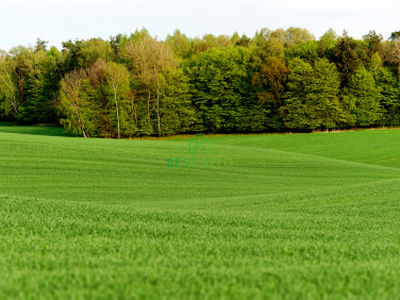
column 255, row 216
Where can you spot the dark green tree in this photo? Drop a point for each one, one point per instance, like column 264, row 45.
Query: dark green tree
column 270, row 81
column 364, row 98
column 41, row 45
column 395, row 36
column 373, row 42
column 219, row 86
column 390, row 97
column 311, row 99
column 178, row 115
column 346, row 58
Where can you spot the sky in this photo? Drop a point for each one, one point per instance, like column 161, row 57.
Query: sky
column 23, row 21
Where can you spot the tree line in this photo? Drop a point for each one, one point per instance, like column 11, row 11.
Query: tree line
column 135, row 85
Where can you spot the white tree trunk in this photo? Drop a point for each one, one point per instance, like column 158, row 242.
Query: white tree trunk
column 116, row 107
column 158, row 110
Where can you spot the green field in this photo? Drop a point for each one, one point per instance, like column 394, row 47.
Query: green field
column 257, row 216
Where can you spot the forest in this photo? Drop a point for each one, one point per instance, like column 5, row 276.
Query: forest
column 137, row 85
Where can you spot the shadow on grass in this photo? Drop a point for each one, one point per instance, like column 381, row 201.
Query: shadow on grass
column 47, row 130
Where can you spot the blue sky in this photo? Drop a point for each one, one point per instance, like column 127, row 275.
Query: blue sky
column 23, row 21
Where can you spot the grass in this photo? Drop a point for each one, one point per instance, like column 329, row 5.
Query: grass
column 291, row 216
column 34, row 130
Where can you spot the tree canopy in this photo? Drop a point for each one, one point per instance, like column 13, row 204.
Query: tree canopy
column 134, row 85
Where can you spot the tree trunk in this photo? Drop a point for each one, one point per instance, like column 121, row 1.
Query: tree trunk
column 134, row 110
column 116, row 107
column 158, row 110
column 148, row 110
column 83, row 132
column 21, row 84
column 8, row 82
column 81, row 125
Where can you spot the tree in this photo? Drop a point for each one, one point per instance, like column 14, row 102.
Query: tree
column 40, row 86
column 364, row 98
column 375, row 64
column 41, row 45
column 311, row 99
column 396, row 51
column 72, row 52
column 117, row 77
column 147, row 59
column 35, row 80
column 222, row 91
column 92, row 50
column 8, row 89
column 72, row 102
column 19, row 55
column 296, row 36
column 346, row 58
column 373, row 42
column 177, row 112
column 328, row 40
column 390, row 54
column 180, row 44
column 270, row 43
column 271, row 80
column 395, row 36
column 308, row 51
column 274, row 42
column 117, row 43
column 390, row 97
column 387, row 53
column 243, row 41
column 100, row 114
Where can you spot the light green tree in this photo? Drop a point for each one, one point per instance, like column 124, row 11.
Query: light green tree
column 147, row 59
column 8, row 88
column 328, row 39
column 117, row 86
column 72, row 102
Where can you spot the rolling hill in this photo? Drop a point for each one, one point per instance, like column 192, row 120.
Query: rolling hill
column 246, row 216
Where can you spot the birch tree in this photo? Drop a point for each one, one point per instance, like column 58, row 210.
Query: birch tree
column 117, row 77
column 148, row 58
column 8, row 89
column 72, row 102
